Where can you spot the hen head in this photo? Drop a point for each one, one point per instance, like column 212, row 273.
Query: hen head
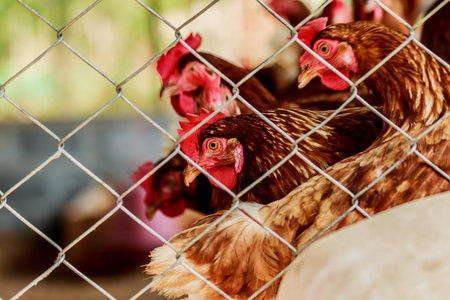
column 338, row 53
column 164, row 190
column 203, row 88
column 221, row 157
column 167, row 67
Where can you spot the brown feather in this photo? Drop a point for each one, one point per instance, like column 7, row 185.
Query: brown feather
column 350, row 132
column 412, row 99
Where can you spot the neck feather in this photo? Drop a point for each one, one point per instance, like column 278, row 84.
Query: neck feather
column 413, row 87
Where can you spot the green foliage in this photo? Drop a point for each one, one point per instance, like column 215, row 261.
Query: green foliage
column 117, row 37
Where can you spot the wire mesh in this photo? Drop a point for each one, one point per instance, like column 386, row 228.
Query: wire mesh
column 60, row 39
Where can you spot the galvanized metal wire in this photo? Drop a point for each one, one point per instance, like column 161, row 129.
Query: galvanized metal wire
column 120, row 96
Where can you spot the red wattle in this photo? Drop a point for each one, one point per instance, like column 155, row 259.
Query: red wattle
column 334, row 81
column 173, row 209
column 182, row 104
column 226, row 175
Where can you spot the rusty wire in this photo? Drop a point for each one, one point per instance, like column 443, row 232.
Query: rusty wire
column 60, row 150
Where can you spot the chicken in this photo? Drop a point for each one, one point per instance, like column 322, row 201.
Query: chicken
column 165, row 191
column 240, row 149
column 240, row 257
column 193, row 85
column 350, row 132
column 277, row 75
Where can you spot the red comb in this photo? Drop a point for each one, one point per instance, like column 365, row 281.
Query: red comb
column 190, row 144
column 140, row 172
column 307, row 32
column 167, row 64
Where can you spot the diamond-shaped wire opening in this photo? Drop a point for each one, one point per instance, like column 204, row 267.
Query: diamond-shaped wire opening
column 98, row 36
column 55, row 93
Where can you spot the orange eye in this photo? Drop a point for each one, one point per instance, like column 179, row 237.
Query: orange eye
column 324, row 48
column 213, row 145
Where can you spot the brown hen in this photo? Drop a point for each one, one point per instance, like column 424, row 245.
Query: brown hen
column 239, row 256
column 240, row 149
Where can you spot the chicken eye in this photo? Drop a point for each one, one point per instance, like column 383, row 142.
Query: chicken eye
column 324, row 48
column 192, row 67
column 213, row 145
column 169, row 180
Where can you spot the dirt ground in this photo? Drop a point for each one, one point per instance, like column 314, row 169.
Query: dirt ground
column 22, row 260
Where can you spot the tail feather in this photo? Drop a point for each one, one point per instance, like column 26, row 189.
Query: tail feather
column 179, row 281
column 233, row 255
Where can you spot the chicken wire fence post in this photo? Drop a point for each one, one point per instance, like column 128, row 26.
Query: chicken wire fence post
column 60, row 149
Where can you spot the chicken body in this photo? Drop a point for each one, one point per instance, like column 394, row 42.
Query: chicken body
column 240, row 257
column 239, row 150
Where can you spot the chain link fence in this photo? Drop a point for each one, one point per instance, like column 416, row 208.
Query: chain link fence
column 61, row 33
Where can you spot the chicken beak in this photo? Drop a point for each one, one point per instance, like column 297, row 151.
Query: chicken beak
column 150, row 211
column 169, row 90
column 189, row 174
column 306, row 76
